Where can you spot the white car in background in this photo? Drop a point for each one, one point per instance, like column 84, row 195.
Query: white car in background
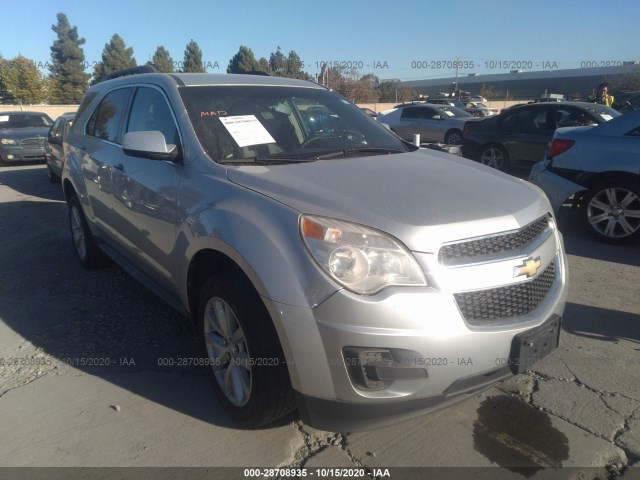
column 434, row 123
column 599, row 167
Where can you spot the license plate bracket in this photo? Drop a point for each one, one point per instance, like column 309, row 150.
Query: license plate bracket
column 530, row 346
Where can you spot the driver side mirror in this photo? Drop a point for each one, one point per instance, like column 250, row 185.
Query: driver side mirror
column 149, row 144
column 51, row 138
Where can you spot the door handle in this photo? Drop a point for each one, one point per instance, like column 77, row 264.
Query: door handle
column 119, row 166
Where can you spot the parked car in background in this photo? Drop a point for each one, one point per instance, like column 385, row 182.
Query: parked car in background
column 434, row 123
column 627, row 101
column 479, row 109
column 519, row 135
column 369, row 112
column 323, row 271
column 600, row 167
column 53, row 150
column 23, row 136
column 447, row 101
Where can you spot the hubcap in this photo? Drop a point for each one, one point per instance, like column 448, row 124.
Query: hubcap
column 614, row 212
column 228, row 352
column 492, row 157
column 79, row 239
column 454, row 139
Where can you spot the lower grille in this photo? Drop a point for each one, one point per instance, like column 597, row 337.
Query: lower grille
column 506, row 302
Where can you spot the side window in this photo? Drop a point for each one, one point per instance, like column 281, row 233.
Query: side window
column 151, row 112
column 430, row 113
column 566, row 117
column 531, row 120
column 105, row 121
column 410, row 113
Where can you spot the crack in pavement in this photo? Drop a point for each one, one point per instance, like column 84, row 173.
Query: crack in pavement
column 315, row 444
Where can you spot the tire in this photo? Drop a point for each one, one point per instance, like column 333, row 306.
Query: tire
column 611, row 210
column 494, row 156
column 453, row 137
column 248, row 370
column 53, row 178
column 88, row 253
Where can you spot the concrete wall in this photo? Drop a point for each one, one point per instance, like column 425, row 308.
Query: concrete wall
column 54, row 111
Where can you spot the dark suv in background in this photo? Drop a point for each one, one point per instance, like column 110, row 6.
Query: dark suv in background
column 519, row 136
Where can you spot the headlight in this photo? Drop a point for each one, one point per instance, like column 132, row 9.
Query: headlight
column 359, row 258
column 8, row 141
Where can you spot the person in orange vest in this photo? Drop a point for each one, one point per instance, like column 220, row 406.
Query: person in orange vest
column 603, row 97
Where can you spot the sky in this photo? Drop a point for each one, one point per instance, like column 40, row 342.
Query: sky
column 404, row 39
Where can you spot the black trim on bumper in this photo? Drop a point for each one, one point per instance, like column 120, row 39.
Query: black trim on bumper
column 338, row 416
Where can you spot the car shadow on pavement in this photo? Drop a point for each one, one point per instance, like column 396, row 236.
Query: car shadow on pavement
column 31, row 181
column 100, row 323
column 601, row 323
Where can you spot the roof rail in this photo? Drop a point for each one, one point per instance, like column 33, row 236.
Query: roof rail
column 146, row 68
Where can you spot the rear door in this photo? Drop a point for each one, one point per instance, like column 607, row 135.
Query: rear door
column 532, row 131
column 100, row 151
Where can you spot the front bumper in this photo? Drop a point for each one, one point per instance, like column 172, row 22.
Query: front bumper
column 447, row 358
column 557, row 188
column 16, row 153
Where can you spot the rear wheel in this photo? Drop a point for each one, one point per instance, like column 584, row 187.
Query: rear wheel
column 88, row 253
column 248, row 370
column 611, row 210
column 453, row 137
column 494, row 156
column 53, row 178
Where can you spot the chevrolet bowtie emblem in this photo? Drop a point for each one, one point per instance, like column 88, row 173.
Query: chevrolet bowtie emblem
column 529, row 268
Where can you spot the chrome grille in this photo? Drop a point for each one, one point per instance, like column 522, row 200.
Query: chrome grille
column 495, row 244
column 506, row 302
column 32, row 142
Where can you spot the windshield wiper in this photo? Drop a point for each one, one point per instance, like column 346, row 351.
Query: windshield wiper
column 263, row 160
column 350, row 151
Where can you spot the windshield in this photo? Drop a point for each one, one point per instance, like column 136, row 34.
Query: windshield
column 21, row 120
column 449, row 111
column 245, row 123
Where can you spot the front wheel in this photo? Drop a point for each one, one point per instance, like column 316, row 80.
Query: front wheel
column 248, row 370
column 494, row 156
column 611, row 211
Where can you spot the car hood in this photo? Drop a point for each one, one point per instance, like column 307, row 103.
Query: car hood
column 423, row 198
column 27, row 132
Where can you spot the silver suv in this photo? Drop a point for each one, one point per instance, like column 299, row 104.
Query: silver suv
column 327, row 264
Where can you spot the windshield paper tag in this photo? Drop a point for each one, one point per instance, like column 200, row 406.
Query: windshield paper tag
column 247, row 130
column 606, row 116
column 4, row 118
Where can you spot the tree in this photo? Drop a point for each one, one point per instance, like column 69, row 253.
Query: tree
column 162, row 60
column 243, row 62
column 263, row 66
column 278, row 63
column 295, row 66
column 193, row 59
column 115, row 56
column 21, row 78
column 68, row 78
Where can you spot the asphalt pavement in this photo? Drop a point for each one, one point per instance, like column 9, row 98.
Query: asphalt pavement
column 90, row 375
